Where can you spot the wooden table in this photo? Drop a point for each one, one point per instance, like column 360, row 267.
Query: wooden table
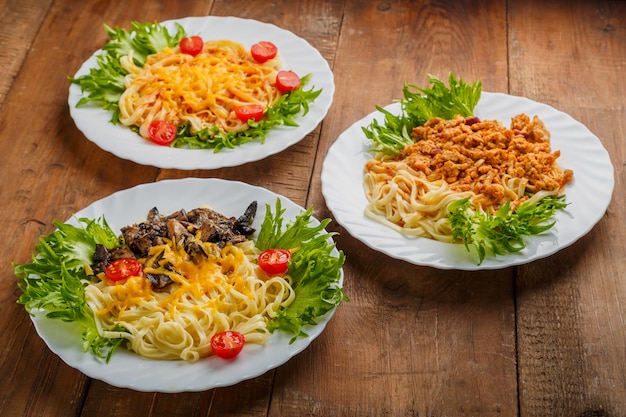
column 542, row 339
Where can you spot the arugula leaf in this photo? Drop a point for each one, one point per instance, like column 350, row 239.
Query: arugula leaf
column 283, row 112
column 418, row 106
column 314, row 270
column 52, row 281
column 503, row 231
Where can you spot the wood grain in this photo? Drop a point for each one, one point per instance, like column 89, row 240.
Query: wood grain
column 403, row 346
column 570, row 314
column 544, row 339
column 19, row 24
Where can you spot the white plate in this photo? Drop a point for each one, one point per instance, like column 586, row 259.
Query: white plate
column 129, row 370
column 588, row 195
column 295, row 54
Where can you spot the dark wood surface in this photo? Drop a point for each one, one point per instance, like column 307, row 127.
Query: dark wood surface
column 542, row 339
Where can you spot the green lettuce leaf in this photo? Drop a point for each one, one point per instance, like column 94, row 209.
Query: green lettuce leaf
column 143, row 39
column 503, row 231
column 315, row 272
column 104, row 84
column 52, row 280
column 418, row 105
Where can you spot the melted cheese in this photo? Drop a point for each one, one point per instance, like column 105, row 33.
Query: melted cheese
column 203, row 90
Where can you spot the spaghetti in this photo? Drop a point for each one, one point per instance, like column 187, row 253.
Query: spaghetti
column 203, row 90
column 458, row 158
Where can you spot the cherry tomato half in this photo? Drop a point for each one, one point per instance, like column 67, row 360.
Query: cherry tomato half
column 274, row 261
column 227, row 344
column 287, row 81
column 123, row 268
column 191, row 45
column 161, row 132
column 249, row 111
column 263, row 51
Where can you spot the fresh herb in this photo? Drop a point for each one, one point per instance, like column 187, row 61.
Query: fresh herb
column 315, row 272
column 418, row 106
column 104, row 85
column 503, row 231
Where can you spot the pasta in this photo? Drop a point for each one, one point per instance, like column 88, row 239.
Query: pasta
column 203, row 90
column 225, row 290
column 458, row 158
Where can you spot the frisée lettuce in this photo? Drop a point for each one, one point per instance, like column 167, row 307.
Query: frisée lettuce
column 104, row 84
column 503, row 231
column 52, row 280
column 418, row 105
column 315, row 272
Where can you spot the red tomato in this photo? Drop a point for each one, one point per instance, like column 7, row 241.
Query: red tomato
column 161, row 132
column 287, row 81
column 123, row 268
column 227, row 344
column 249, row 111
column 274, row 261
column 192, row 45
column 263, row 51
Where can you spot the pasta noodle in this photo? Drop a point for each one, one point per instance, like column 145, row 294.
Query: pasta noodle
column 203, row 90
column 459, row 158
column 224, row 291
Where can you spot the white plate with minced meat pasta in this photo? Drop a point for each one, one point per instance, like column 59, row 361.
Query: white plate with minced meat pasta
column 403, row 205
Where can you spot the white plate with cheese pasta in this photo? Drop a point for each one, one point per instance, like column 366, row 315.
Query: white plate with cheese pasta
column 295, row 54
column 588, row 195
column 129, row 370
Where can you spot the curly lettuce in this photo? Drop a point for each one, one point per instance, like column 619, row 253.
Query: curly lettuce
column 315, row 271
column 52, row 281
column 503, row 231
column 418, row 105
column 104, row 84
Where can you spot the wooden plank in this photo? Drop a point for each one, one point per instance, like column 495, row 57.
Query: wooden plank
column 49, row 172
column 412, row 340
column 19, row 23
column 572, row 344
